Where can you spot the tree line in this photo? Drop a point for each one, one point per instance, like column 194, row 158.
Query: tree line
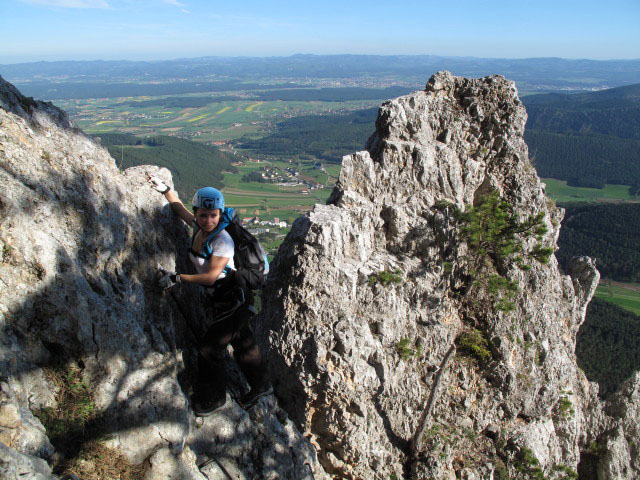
column 585, row 160
column 613, row 112
column 587, row 139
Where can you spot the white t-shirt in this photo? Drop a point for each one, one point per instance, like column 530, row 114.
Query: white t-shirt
column 221, row 246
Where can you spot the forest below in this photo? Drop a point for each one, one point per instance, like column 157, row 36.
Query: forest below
column 585, row 160
column 587, row 139
column 608, row 233
column 326, row 137
column 191, row 164
column 608, row 345
column 614, row 112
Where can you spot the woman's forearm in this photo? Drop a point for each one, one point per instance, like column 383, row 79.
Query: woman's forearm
column 204, row 279
column 174, row 201
column 208, row 278
column 178, row 207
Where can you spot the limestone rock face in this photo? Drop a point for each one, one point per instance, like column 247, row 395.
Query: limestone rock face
column 14, row 465
column 620, row 458
column 80, row 243
column 369, row 293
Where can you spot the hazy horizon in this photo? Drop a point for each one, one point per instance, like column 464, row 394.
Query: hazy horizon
column 169, row 59
column 155, row 30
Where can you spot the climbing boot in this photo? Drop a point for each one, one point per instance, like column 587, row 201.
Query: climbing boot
column 206, row 401
column 256, row 393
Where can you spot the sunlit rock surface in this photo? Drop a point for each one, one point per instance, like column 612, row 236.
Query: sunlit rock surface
column 356, row 360
column 80, row 243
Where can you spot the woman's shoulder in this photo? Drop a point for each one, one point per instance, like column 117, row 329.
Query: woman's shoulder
column 223, row 239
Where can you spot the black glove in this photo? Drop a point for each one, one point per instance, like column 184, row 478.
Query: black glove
column 166, row 279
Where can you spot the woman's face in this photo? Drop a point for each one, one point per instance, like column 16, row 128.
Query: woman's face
column 207, row 218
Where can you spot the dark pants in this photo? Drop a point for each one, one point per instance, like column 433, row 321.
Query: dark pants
column 230, row 324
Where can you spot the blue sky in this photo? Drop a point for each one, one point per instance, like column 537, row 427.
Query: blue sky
column 32, row 30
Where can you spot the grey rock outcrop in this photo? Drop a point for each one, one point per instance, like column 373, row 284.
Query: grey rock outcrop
column 368, row 294
column 620, row 455
column 80, row 243
column 21, row 466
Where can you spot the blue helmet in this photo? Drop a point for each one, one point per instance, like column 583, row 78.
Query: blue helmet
column 208, row 197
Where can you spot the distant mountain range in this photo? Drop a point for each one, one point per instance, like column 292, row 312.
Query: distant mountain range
column 534, row 74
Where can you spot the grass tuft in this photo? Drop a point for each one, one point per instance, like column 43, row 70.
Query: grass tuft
column 73, row 427
column 406, row 350
column 95, row 461
column 74, row 409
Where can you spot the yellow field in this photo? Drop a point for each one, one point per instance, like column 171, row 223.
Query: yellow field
column 195, row 119
column 251, row 107
column 102, row 122
column 222, row 110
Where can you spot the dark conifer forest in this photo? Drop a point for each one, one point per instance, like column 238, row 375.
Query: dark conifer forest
column 610, row 233
column 588, row 139
column 328, row 137
column 191, row 164
column 608, row 345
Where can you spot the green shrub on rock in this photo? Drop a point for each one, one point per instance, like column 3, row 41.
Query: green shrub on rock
column 473, row 344
column 497, row 240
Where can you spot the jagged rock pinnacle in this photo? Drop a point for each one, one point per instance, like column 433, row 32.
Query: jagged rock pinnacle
column 34, row 111
column 368, row 294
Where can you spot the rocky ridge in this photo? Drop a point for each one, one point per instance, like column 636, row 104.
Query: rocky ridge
column 370, row 295
column 80, row 243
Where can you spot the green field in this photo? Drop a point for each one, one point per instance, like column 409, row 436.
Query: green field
column 268, row 200
column 333, row 170
column 624, row 295
column 561, row 193
column 217, row 121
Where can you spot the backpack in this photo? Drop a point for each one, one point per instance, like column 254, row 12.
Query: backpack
column 249, row 257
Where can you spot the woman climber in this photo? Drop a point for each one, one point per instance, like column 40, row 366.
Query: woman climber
column 228, row 299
